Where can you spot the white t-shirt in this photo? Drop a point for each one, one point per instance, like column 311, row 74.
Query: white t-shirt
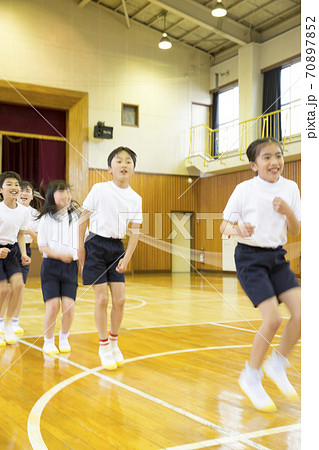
column 33, row 224
column 112, row 209
column 251, row 202
column 58, row 234
column 12, row 221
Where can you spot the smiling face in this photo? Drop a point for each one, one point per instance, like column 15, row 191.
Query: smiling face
column 25, row 196
column 122, row 168
column 10, row 190
column 269, row 163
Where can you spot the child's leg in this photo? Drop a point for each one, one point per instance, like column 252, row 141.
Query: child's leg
column 117, row 312
column 15, row 320
column 4, row 294
column 118, row 302
column 67, row 319
column 292, row 331
column 17, row 285
column 5, row 291
column 52, row 307
column 251, row 376
column 100, row 309
column 100, row 315
column 270, row 324
column 275, row 366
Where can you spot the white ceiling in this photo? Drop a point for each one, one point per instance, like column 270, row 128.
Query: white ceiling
column 190, row 21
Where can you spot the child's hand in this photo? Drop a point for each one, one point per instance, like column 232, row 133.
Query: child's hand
column 4, row 252
column 121, row 267
column 66, row 257
column 245, row 229
column 25, row 260
column 280, row 206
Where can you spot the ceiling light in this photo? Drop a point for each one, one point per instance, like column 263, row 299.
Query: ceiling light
column 219, row 9
column 165, row 43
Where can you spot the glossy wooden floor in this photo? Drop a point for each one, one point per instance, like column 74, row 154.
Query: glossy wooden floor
column 185, row 339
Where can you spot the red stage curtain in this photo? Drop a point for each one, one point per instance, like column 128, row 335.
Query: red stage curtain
column 33, row 159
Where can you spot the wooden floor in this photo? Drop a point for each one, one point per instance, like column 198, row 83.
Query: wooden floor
column 185, row 339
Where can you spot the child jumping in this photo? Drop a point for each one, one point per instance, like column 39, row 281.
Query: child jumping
column 259, row 212
column 57, row 240
column 110, row 207
column 25, row 198
column 14, row 220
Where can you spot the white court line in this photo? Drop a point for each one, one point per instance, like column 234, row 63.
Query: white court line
column 240, row 437
column 34, row 432
column 150, row 327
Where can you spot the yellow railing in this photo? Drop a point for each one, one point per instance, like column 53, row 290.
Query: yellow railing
column 234, row 138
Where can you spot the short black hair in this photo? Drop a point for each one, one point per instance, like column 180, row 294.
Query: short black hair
column 255, row 147
column 121, row 149
column 9, row 174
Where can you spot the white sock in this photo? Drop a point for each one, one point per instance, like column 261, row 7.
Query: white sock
column 63, row 336
column 49, row 340
column 15, row 320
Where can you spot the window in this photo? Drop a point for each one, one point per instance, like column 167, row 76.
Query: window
column 228, row 120
column 290, row 86
column 130, row 115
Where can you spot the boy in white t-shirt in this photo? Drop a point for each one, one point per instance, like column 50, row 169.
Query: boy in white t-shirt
column 110, row 207
column 259, row 212
column 14, row 220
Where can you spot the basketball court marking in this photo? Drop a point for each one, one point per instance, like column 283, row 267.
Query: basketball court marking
column 241, row 437
column 34, row 432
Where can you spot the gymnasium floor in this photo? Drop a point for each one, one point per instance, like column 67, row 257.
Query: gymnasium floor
column 185, row 338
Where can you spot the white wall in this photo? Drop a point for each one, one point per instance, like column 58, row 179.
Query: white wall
column 57, row 44
column 273, row 51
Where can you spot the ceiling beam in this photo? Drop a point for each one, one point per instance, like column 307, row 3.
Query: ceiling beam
column 82, row 3
column 126, row 14
column 200, row 15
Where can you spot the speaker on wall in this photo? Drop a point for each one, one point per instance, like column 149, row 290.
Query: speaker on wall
column 103, row 132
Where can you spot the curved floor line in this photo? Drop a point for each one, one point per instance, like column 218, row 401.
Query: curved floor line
column 34, row 432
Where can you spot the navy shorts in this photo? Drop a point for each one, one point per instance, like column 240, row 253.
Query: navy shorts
column 58, row 279
column 24, row 269
column 263, row 272
column 101, row 260
column 10, row 265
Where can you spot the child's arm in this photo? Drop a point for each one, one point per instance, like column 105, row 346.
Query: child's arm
column 83, row 223
column 242, row 229
column 31, row 233
column 293, row 224
column 132, row 243
column 64, row 257
column 21, row 242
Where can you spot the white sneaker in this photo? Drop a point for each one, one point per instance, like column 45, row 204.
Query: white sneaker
column 17, row 329
column 275, row 369
column 9, row 335
column 2, row 327
column 117, row 354
column 250, row 383
column 2, row 341
column 50, row 349
column 64, row 345
column 107, row 358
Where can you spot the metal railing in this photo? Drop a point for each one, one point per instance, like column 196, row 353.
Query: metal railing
column 233, row 138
